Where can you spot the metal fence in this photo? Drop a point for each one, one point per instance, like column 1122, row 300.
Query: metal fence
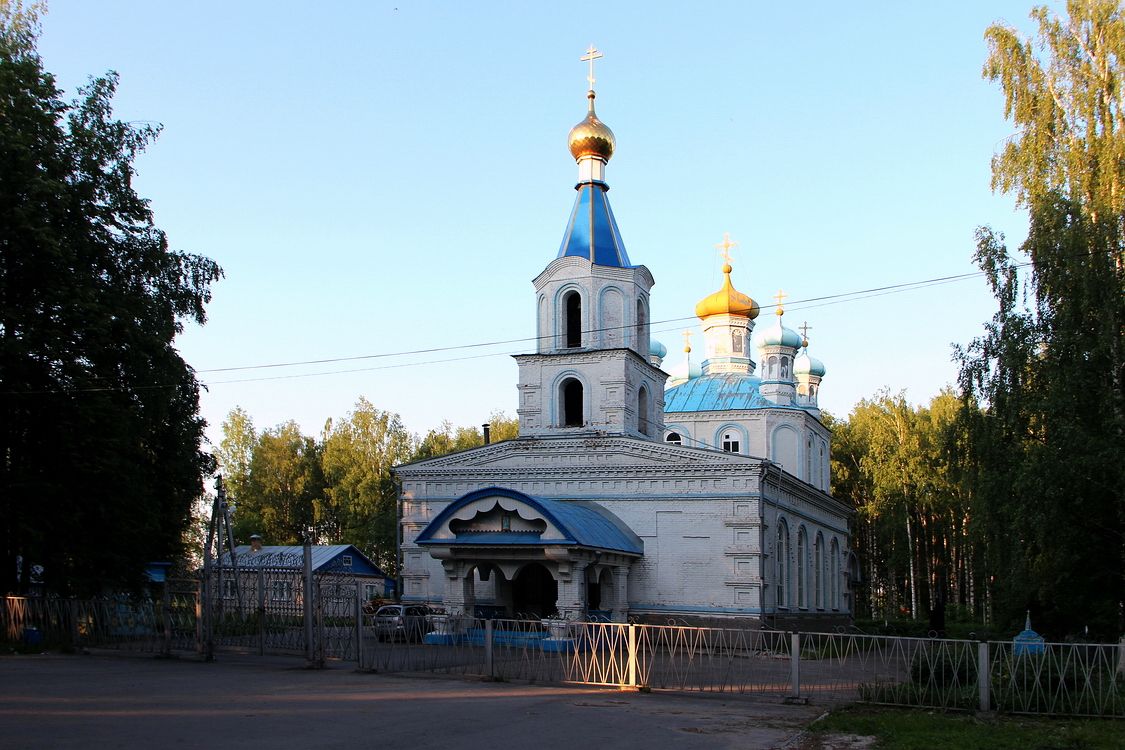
column 157, row 626
column 327, row 622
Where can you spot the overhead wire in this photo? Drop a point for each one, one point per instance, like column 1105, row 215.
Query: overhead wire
column 794, row 305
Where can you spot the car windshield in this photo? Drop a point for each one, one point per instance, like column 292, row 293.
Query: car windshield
column 388, row 611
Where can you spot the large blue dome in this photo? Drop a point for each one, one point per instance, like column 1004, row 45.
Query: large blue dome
column 728, row 390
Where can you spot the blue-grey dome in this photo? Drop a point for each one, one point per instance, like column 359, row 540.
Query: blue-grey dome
column 779, row 335
column 658, row 350
column 807, row 365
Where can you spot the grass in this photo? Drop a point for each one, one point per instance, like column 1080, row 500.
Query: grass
column 902, row 729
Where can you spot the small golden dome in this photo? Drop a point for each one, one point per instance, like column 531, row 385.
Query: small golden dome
column 727, row 301
column 591, row 137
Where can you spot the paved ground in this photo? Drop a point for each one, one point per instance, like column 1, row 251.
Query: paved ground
column 119, row 701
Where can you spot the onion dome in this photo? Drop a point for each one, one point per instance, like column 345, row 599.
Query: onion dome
column 727, row 301
column 683, row 372
column 658, row 350
column 591, row 137
column 779, row 335
column 803, row 364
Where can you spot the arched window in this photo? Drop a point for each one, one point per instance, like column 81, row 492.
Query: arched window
column 674, row 438
column 771, row 368
column 834, row 575
column 824, row 468
column 736, row 341
column 642, row 411
column 573, row 323
column 818, row 571
column 785, row 368
column 782, row 564
column 730, row 442
column 802, row 568
column 809, row 472
column 571, row 398
column 642, row 328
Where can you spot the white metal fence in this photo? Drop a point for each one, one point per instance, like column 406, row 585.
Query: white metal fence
column 1052, row 678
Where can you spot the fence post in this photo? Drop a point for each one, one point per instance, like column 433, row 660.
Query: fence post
column 984, row 675
column 795, row 665
column 307, row 602
column 632, row 656
column 73, row 612
column 205, row 616
column 489, row 662
column 358, row 629
column 167, row 649
column 261, row 612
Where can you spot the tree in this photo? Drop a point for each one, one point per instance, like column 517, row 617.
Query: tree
column 283, row 497
column 236, row 451
column 899, row 466
column 1043, row 387
column 100, row 434
column 449, row 439
column 361, row 496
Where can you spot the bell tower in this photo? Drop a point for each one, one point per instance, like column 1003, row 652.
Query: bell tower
column 591, row 370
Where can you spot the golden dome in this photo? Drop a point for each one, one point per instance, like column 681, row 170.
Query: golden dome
column 727, row 301
column 591, row 137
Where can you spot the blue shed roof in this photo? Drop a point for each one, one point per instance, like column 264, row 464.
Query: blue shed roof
column 592, row 231
column 581, row 523
column 720, row 392
column 324, row 557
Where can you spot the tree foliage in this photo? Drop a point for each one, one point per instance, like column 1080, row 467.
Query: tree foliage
column 361, row 498
column 898, row 465
column 100, row 437
column 339, row 489
column 1043, row 386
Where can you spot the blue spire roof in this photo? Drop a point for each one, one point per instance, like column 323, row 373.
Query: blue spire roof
column 592, row 231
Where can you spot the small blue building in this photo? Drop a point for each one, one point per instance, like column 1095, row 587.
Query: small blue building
column 342, row 570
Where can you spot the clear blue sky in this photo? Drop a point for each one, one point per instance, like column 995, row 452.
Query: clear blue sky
column 378, row 177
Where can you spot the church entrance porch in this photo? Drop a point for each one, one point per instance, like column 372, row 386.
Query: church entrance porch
column 523, row 556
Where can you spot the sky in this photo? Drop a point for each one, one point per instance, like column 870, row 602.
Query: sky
column 380, row 178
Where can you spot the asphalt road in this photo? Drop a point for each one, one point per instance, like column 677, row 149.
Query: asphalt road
column 122, row 701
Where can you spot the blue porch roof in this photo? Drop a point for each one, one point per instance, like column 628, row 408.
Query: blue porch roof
column 580, row 523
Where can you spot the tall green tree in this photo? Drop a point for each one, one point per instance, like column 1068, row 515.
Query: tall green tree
column 899, row 466
column 100, row 433
column 235, row 451
column 361, row 495
column 1043, row 386
column 285, row 490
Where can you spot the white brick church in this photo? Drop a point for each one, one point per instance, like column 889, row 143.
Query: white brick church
column 703, row 501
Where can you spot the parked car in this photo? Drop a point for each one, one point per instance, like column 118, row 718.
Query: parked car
column 401, row 621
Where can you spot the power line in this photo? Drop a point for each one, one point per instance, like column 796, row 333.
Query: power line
column 796, row 304
column 810, row 303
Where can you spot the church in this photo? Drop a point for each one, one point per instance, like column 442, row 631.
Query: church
column 629, row 494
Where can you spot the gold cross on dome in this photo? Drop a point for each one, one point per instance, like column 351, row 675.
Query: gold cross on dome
column 687, row 340
column 725, row 247
column 591, row 55
column 779, row 297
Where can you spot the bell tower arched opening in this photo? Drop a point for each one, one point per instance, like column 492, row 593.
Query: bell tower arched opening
column 572, row 323
column 570, row 396
column 643, row 420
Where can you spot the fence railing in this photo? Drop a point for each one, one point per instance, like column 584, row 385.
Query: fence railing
column 1050, row 678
